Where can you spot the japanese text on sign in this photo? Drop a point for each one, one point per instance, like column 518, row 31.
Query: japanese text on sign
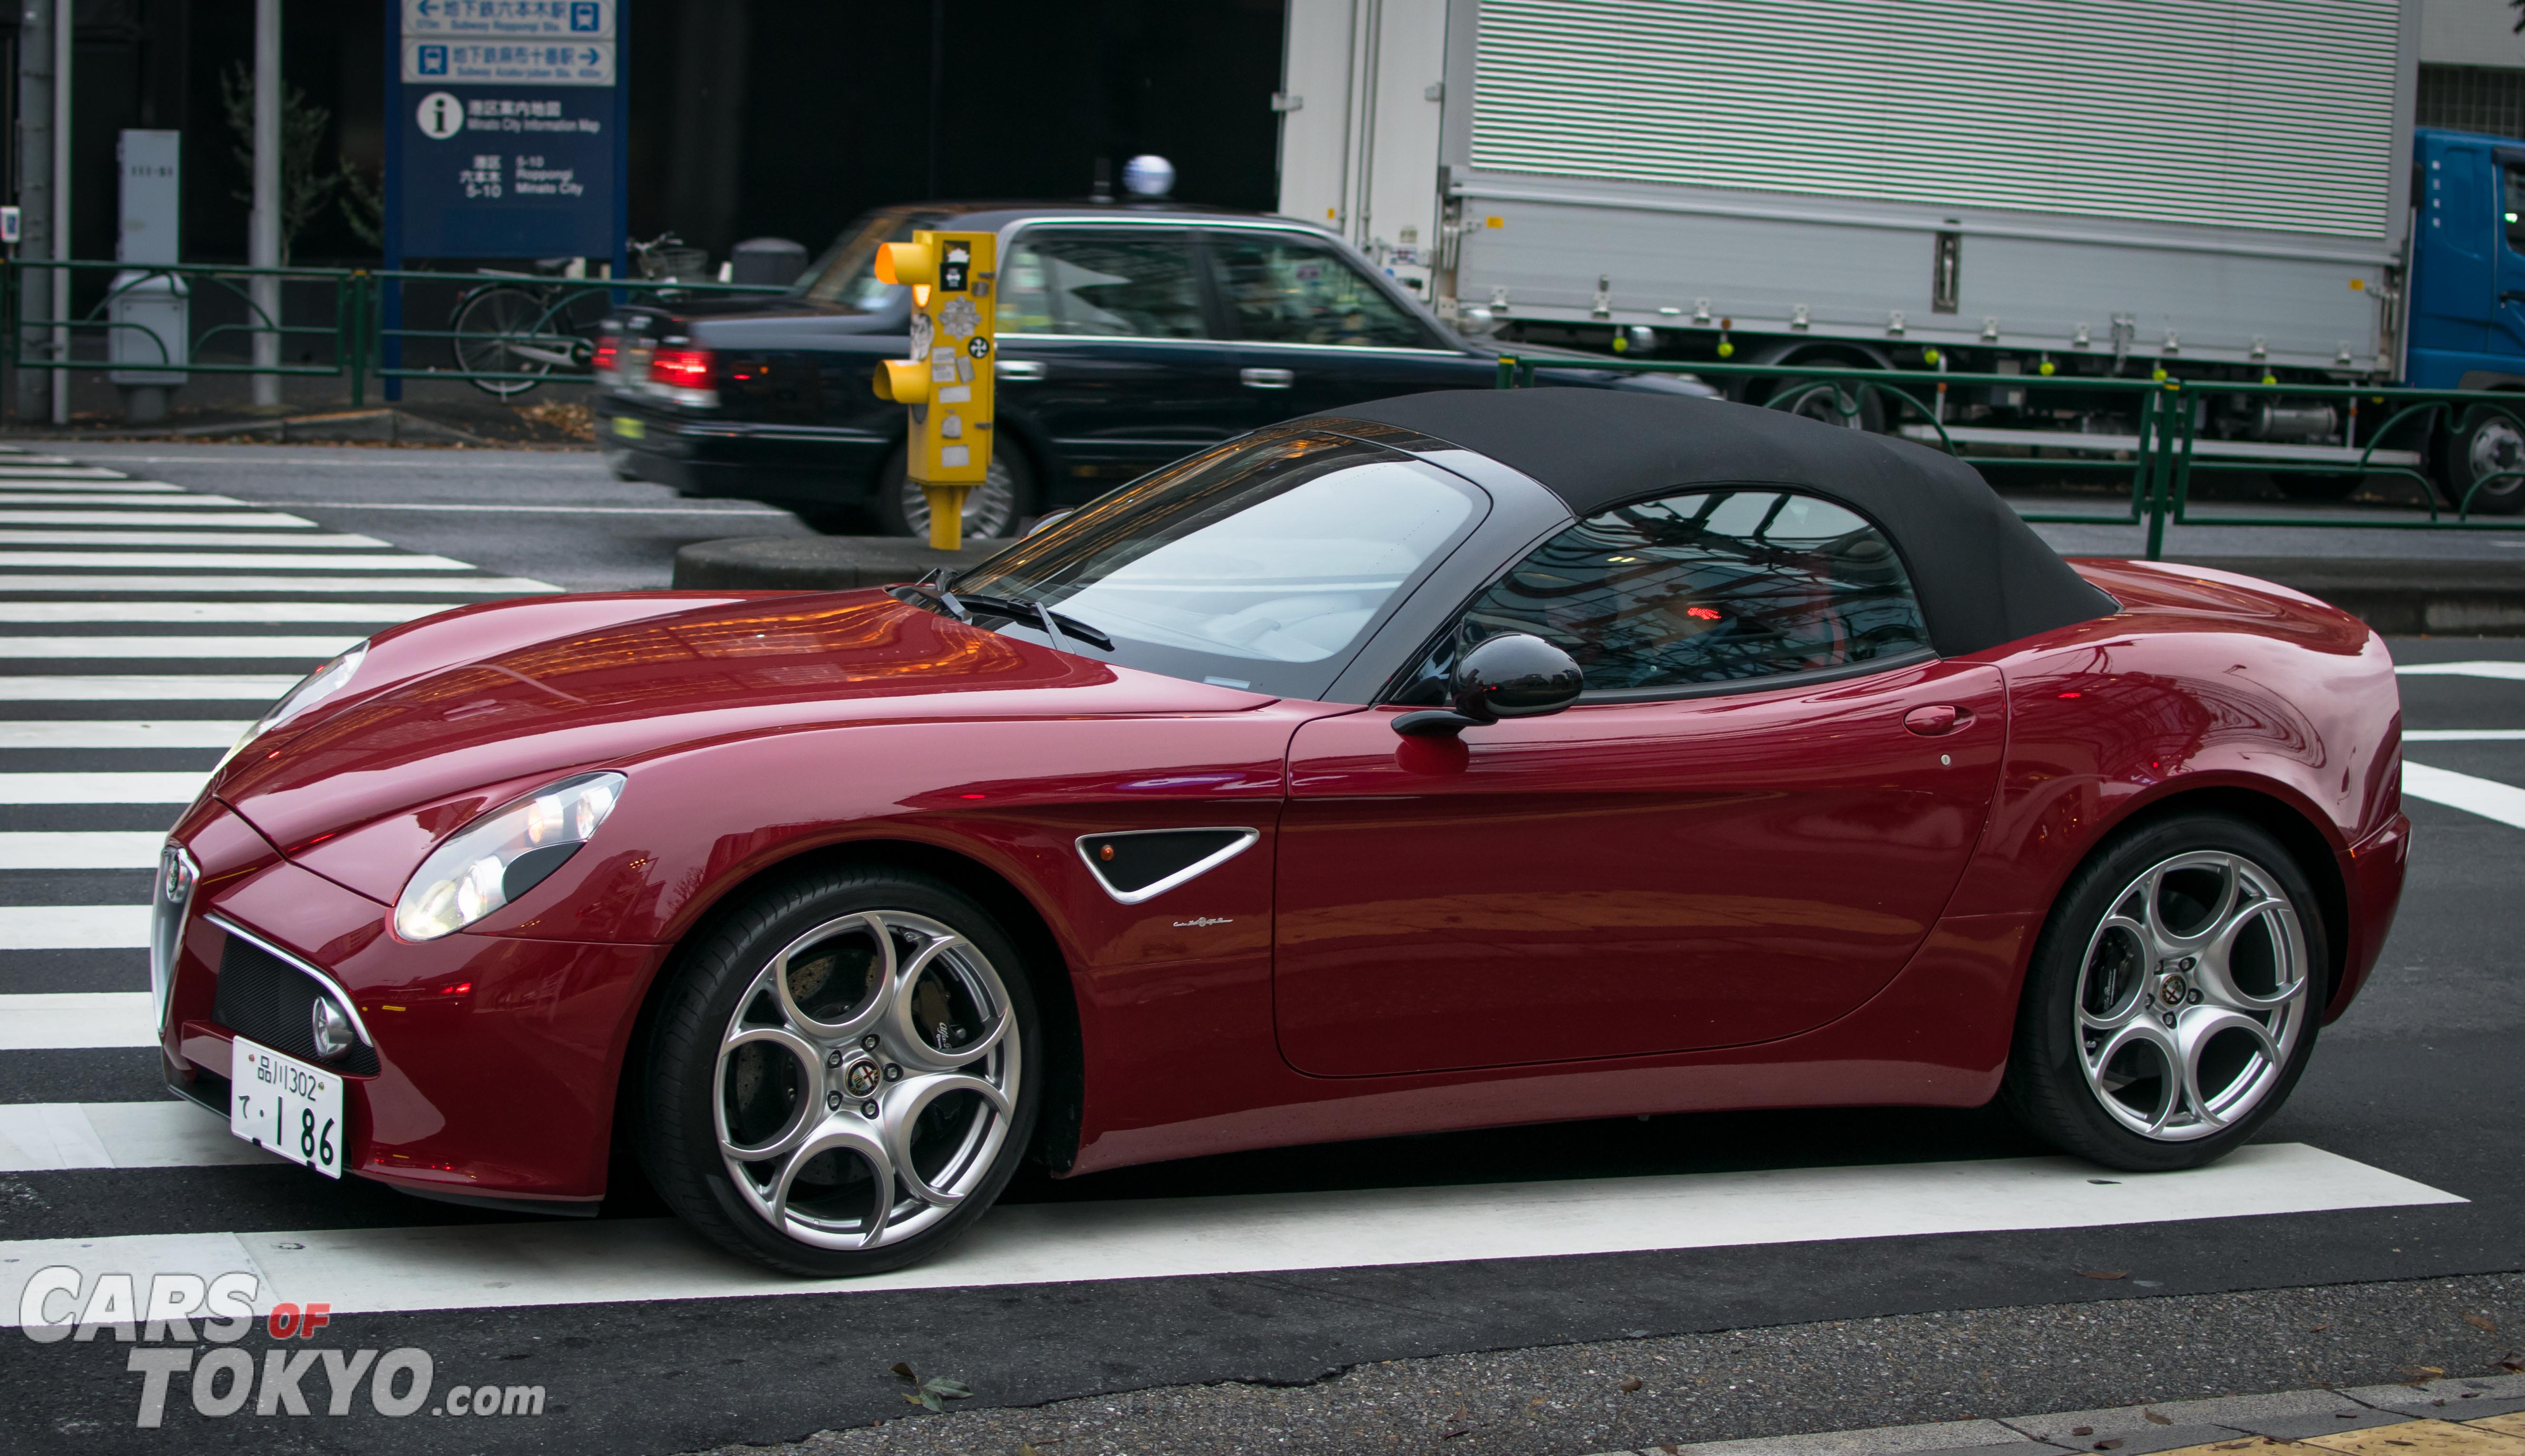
column 581, row 20
column 508, row 63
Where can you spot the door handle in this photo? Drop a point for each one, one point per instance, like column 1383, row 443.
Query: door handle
column 2511, row 296
column 1938, row 721
column 1017, row 370
column 1266, row 379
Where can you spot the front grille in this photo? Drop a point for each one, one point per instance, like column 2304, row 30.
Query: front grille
column 271, row 1003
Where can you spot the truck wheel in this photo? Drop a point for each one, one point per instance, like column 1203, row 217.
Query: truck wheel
column 2488, row 442
column 1816, row 399
column 992, row 510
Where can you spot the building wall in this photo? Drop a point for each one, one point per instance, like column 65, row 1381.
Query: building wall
column 2472, row 66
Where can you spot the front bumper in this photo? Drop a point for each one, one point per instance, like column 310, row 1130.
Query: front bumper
column 496, row 1057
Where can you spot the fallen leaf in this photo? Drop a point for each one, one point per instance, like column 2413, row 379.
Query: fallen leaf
column 2421, row 1375
column 2153, row 1419
column 2082, row 1430
column 2114, row 1444
column 905, row 1371
column 951, row 1389
column 2237, row 1445
column 2478, row 1321
column 2104, row 1274
column 2319, row 1328
column 2511, row 1364
column 1631, row 1384
column 2389, row 1440
column 1536, row 1401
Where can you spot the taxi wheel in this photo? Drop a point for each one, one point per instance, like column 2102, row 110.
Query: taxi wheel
column 2173, row 998
column 842, row 1075
column 992, row 509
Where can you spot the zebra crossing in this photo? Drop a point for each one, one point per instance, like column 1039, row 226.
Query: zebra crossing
column 142, row 628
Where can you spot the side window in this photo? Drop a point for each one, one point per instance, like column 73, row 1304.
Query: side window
column 1287, row 290
column 1715, row 586
column 1135, row 285
column 2511, row 178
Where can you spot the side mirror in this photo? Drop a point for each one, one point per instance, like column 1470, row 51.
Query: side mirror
column 1512, row 675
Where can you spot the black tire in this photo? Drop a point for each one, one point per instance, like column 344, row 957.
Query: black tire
column 2487, row 440
column 992, row 510
column 2046, row 1086
column 690, row 1081
column 1852, row 406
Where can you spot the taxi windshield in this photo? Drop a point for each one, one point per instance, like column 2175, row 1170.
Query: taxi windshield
column 1263, row 564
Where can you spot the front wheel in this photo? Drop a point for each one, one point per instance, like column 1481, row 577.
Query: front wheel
column 841, row 1079
column 2486, row 449
column 2173, row 997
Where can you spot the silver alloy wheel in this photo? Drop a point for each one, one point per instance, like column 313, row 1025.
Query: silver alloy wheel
column 2193, row 993
column 866, row 1079
column 990, row 508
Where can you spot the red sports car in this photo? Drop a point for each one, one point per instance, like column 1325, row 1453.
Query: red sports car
column 1461, row 760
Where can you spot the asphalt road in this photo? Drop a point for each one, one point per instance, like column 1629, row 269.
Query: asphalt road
column 1901, row 1299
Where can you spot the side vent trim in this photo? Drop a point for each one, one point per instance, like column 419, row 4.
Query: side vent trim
column 1135, row 866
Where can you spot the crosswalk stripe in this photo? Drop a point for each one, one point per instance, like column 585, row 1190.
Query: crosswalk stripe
column 54, row 1136
column 228, row 520
column 96, row 494
column 311, row 585
column 178, row 787
column 499, row 1266
column 79, row 1021
column 313, row 648
column 84, row 849
column 119, row 733
column 2486, row 798
column 2513, row 672
column 70, row 927
column 62, row 472
column 191, row 687
column 49, row 612
column 2439, row 735
column 313, row 561
column 133, row 488
column 312, row 541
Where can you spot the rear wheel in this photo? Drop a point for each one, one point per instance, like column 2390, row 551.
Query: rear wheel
column 2173, row 998
column 2487, row 449
column 841, row 1079
column 992, row 509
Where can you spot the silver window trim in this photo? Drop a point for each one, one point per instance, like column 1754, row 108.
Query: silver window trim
column 324, row 980
column 1194, row 871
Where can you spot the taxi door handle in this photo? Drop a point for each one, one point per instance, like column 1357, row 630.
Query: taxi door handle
column 1939, row 720
column 1017, row 370
column 1266, row 379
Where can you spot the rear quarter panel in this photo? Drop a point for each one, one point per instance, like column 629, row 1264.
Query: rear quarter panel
column 2205, row 681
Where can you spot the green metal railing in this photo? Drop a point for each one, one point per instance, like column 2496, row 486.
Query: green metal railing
column 559, row 318
column 2164, row 456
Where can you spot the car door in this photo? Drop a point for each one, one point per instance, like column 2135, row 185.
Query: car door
column 2507, row 331
column 1743, row 830
column 1305, row 328
column 1106, row 354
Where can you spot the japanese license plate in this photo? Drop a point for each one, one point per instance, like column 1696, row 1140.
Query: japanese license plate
column 628, row 428
column 286, row 1106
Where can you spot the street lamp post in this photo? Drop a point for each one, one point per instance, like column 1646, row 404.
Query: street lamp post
column 264, row 237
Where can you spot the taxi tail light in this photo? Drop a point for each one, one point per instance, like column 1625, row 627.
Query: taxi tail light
column 606, row 362
column 685, row 375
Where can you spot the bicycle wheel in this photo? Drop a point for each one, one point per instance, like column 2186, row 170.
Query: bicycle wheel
column 502, row 331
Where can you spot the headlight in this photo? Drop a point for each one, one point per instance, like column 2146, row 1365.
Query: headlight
column 502, row 855
column 314, row 688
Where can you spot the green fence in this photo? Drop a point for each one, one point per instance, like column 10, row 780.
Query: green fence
column 2162, row 454
column 490, row 328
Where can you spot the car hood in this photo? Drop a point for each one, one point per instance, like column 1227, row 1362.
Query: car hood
column 506, row 719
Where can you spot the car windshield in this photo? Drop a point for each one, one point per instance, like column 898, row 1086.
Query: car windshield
column 1263, row 564
column 846, row 276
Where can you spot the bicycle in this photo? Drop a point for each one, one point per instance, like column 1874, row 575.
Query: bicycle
column 514, row 330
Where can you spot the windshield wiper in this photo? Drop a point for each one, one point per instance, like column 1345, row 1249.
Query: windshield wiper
column 1056, row 624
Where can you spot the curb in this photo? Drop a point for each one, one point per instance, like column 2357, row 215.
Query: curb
column 813, row 563
column 2480, row 1417
column 2400, row 597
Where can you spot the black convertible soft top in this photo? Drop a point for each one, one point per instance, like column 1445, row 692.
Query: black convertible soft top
column 1982, row 576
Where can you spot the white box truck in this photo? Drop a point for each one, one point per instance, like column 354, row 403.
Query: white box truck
column 2216, row 189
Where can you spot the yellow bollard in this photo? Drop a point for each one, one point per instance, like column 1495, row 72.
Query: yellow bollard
column 946, row 515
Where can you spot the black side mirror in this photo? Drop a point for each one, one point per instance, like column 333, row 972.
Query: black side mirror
column 1512, row 675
